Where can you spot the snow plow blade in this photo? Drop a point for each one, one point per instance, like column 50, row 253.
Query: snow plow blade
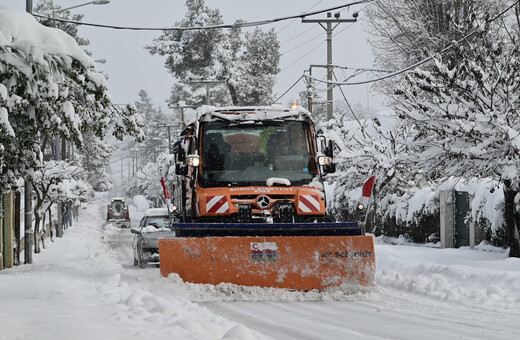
column 291, row 262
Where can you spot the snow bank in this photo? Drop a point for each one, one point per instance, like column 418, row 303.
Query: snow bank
column 90, row 295
column 462, row 276
column 141, row 203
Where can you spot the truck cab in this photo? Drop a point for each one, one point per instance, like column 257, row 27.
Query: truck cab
column 252, row 165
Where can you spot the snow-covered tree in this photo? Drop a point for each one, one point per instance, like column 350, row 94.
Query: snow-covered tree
column 147, row 181
column 369, row 147
column 407, row 31
column 93, row 158
column 465, row 114
column 48, row 86
column 246, row 64
column 56, row 182
column 49, row 9
column 155, row 136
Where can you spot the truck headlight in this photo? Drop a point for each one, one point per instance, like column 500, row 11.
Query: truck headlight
column 324, row 160
column 193, row 160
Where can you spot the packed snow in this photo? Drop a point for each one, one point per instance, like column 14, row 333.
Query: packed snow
column 83, row 286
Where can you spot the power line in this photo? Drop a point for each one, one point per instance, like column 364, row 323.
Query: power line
column 304, row 43
column 425, row 60
column 289, row 89
column 226, row 26
column 293, row 21
column 299, row 35
column 303, row 56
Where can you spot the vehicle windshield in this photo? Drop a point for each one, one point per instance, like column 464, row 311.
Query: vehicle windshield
column 250, row 154
column 157, row 221
column 118, row 206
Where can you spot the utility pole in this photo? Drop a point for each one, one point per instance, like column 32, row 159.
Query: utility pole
column 169, row 135
column 309, row 91
column 328, row 28
column 28, row 234
column 309, row 83
column 182, row 107
column 207, row 83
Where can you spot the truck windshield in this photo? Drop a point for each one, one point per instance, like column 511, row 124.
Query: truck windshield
column 250, row 154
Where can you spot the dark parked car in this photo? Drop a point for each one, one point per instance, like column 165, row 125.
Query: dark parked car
column 154, row 225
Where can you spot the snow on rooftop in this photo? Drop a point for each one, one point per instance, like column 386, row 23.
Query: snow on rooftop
column 252, row 113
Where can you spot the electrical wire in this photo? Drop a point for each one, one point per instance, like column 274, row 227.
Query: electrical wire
column 425, row 60
column 289, row 89
column 303, row 56
column 225, row 26
column 304, row 43
column 299, row 35
column 294, row 20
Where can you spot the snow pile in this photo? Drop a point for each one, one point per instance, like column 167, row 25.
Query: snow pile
column 230, row 292
column 87, row 283
column 462, row 276
column 90, row 295
column 141, row 203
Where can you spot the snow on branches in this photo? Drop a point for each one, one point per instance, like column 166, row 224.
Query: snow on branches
column 49, row 87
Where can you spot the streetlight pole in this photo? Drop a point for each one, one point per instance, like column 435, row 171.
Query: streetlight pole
column 328, row 28
column 95, row 2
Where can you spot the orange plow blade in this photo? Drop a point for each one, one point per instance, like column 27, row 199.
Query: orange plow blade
column 300, row 262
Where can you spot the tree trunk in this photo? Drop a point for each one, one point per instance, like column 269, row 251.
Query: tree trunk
column 36, row 234
column 509, row 218
column 233, row 93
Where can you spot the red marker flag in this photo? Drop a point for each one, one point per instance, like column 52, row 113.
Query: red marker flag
column 166, row 193
column 367, row 191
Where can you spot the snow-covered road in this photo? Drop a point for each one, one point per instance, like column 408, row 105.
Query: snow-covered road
column 84, row 286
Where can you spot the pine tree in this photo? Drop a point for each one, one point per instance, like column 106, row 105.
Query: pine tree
column 246, row 64
column 48, row 8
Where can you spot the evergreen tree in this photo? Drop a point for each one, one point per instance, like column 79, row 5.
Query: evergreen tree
column 246, row 64
column 48, row 90
column 48, row 8
column 155, row 137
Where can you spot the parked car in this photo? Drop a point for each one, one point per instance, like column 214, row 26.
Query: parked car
column 118, row 213
column 155, row 224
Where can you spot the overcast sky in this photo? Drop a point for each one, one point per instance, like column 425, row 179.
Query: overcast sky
column 131, row 68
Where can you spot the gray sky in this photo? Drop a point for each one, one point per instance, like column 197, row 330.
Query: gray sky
column 131, row 68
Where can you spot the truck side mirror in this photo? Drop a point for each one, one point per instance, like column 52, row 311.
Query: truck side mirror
column 181, row 154
column 181, row 169
column 329, row 150
column 330, row 169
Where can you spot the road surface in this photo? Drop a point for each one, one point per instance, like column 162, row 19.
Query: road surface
column 397, row 310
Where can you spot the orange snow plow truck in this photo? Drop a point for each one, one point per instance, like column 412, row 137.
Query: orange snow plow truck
column 250, row 205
